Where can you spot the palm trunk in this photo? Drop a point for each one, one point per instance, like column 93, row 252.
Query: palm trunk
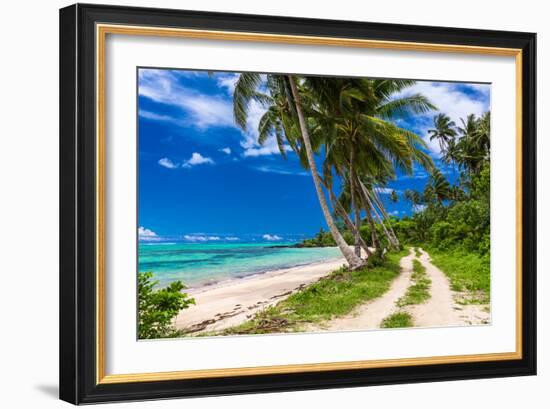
column 356, row 234
column 367, row 199
column 378, row 203
column 340, row 210
column 373, row 234
column 353, row 261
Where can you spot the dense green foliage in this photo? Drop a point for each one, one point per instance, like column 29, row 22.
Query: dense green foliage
column 397, row 320
column 468, row 272
column 157, row 308
column 333, row 296
column 453, row 223
column 322, row 239
column 454, row 217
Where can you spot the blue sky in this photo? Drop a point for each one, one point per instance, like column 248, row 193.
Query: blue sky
column 202, row 179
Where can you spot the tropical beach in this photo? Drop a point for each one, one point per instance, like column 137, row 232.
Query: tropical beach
column 278, row 203
column 232, row 303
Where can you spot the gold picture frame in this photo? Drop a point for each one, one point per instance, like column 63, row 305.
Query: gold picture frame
column 99, row 21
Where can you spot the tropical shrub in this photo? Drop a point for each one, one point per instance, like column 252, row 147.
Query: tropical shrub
column 157, row 308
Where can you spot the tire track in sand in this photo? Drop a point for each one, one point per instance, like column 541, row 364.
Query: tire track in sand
column 440, row 309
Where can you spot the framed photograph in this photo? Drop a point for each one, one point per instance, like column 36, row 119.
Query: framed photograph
column 257, row 203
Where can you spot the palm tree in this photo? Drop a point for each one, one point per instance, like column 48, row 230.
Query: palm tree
column 349, row 120
column 413, row 196
column 394, row 198
column 444, row 131
column 351, row 116
column 342, row 206
column 483, row 135
column 438, row 186
column 473, row 147
column 288, row 112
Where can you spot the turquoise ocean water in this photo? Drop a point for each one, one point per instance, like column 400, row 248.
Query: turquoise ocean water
column 197, row 264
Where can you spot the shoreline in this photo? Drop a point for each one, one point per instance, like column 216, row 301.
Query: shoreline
column 233, row 301
column 207, row 283
column 228, row 281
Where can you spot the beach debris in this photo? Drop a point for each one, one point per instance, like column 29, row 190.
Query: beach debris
column 280, row 295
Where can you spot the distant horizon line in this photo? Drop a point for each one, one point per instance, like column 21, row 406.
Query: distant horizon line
column 246, row 240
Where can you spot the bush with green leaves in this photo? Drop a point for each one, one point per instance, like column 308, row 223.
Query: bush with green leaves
column 462, row 224
column 158, row 307
column 321, row 239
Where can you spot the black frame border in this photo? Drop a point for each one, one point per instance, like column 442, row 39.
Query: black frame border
column 78, row 204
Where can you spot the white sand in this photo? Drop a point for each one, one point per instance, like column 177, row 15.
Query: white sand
column 233, row 302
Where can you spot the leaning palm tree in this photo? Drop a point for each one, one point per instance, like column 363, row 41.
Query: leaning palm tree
column 352, row 118
column 349, row 120
column 286, row 102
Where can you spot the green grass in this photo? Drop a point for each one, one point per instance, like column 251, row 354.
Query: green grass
column 333, row 296
column 417, row 252
column 468, row 273
column 397, row 320
column 419, row 292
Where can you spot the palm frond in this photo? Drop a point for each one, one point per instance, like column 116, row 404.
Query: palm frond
column 245, row 90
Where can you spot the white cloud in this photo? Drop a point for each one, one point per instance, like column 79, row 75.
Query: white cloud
column 167, row 163
column 227, row 151
column 203, row 110
column 250, row 137
column 451, row 100
column 228, row 82
column 419, row 208
column 384, row 190
column 155, row 117
column 147, row 235
column 264, row 150
column 231, row 238
column 200, row 238
column 197, row 159
column 481, row 88
column 271, row 237
column 250, row 142
column 162, row 86
column 268, row 169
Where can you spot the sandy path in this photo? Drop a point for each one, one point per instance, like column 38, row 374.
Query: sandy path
column 440, row 309
column 371, row 314
column 233, row 302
